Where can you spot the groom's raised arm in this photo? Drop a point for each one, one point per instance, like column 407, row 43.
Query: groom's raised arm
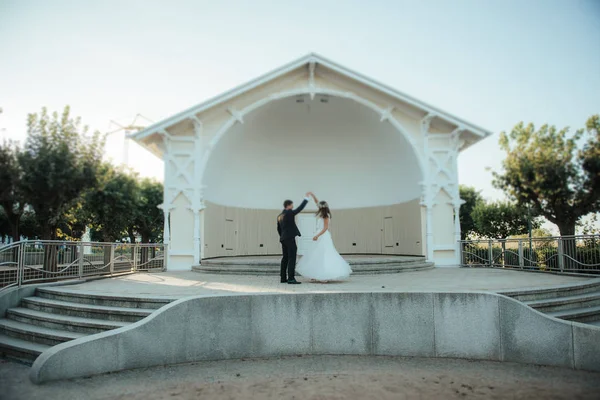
column 302, row 205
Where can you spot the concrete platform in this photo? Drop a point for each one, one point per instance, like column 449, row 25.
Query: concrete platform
column 269, row 265
column 188, row 283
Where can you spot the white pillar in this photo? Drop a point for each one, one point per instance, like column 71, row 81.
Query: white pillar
column 199, row 189
column 167, row 228
column 457, row 233
column 197, row 236
column 429, row 231
column 427, row 202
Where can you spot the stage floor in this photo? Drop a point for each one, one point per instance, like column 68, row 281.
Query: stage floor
column 188, row 283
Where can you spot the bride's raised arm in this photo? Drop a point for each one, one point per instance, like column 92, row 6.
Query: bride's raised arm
column 314, row 198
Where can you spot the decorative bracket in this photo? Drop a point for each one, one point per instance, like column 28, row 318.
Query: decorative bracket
column 386, row 114
column 197, row 126
column 236, row 114
column 166, row 208
column 426, row 123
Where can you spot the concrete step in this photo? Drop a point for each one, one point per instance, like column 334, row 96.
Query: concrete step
column 584, row 314
column 595, row 323
column 63, row 322
column 64, row 294
column 20, row 350
column 362, row 269
column 554, row 292
column 36, row 334
column 566, row 303
column 86, row 310
column 391, row 269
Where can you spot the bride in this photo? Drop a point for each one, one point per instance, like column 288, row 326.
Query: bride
column 323, row 262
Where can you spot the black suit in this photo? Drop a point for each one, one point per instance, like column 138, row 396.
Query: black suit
column 287, row 229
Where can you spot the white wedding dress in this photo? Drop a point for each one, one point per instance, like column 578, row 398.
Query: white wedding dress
column 323, row 262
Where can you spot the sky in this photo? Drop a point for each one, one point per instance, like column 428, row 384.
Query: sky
column 493, row 63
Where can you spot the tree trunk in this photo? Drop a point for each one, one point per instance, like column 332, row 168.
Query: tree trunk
column 569, row 245
column 144, row 256
column 50, row 250
column 106, row 251
column 131, row 234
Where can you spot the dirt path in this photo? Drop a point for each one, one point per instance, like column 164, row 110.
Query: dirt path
column 322, row 377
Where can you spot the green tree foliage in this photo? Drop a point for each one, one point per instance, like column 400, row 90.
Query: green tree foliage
column 11, row 195
column 149, row 218
column 59, row 162
column 471, row 197
column 4, row 226
column 112, row 207
column 499, row 220
column 551, row 171
column 30, row 228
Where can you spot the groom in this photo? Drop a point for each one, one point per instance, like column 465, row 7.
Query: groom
column 287, row 229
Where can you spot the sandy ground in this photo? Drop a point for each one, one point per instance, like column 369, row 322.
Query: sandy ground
column 316, row 377
column 188, row 283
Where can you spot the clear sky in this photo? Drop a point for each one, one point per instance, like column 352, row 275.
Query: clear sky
column 493, row 63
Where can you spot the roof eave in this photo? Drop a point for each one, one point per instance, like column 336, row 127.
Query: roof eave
column 311, row 57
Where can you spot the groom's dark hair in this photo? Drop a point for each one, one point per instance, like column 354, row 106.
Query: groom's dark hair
column 287, row 203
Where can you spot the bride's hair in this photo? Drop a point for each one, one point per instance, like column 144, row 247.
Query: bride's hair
column 323, row 211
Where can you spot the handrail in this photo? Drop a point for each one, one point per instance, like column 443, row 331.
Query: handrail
column 571, row 253
column 29, row 261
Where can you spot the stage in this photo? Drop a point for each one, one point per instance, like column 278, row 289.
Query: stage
column 270, row 265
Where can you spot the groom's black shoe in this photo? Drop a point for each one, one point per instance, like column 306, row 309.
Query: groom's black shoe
column 283, row 281
column 293, row 282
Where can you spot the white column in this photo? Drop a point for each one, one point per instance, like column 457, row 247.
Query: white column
column 167, row 228
column 197, row 256
column 427, row 195
column 457, row 233
column 427, row 202
column 457, row 222
column 456, row 144
column 198, row 210
column 429, row 234
column 198, row 200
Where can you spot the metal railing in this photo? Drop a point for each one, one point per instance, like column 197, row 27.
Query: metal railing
column 48, row 260
column 577, row 254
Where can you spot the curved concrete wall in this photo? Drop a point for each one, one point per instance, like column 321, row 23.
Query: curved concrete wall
column 482, row 326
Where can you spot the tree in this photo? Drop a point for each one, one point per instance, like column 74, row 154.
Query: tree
column 471, row 198
column 499, row 220
column 30, row 228
column 112, row 206
column 547, row 170
column 4, row 226
column 11, row 195
column 59, row 162
column 73, row 223
column 149, row 218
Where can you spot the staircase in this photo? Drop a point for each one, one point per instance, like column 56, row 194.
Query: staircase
column 270, row 265
column 580, row 302
column 56, row 315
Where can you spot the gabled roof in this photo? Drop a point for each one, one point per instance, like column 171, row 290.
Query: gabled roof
column 306, row 60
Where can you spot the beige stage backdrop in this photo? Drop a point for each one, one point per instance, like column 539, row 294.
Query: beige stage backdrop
column 373, row 230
